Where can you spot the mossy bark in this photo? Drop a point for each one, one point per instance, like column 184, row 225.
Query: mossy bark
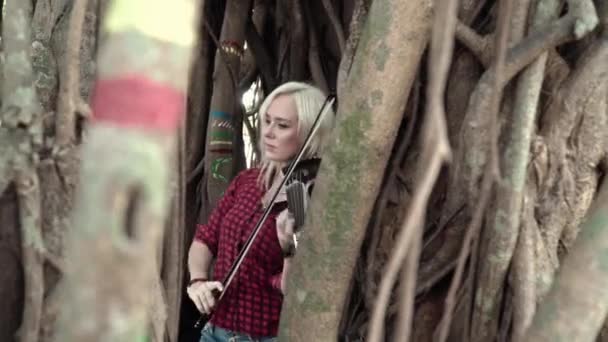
column 353, row 168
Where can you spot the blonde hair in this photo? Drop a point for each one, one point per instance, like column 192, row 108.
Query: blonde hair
column 308, row 100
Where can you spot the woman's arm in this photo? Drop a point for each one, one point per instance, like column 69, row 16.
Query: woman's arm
column 199, row 260
column 201, row 292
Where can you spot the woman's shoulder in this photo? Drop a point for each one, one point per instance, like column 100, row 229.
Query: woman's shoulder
column 250, row 172
column 248, row 176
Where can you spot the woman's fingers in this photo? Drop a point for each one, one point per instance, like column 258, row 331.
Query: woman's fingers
column 286, row 231
column 208, row 300
column 290, row 224
column 210, row 293
column 215, row 285
column 207, row 304
column 204, row 296
column 196, row 298
column 286, row 223
column 199, row 304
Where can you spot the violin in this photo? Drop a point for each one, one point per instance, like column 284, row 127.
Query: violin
column 299, row 188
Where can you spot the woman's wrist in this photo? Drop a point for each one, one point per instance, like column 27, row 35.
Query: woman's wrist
column 197, row 280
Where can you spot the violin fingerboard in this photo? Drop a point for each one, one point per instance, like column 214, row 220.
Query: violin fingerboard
column 297, row 201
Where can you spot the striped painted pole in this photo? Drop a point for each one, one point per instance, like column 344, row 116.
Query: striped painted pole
column 138, row 104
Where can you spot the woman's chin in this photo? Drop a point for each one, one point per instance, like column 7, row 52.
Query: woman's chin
column 276, row 159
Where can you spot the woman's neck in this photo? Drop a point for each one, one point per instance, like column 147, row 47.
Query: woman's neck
column 274, row 184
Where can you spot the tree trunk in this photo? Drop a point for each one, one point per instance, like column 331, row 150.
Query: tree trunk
column 509, row 251
column 113, row 276
column 45, row 186
column 353, row 168
column 224, row 153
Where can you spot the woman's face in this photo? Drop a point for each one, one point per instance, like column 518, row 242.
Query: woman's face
column 280, row 129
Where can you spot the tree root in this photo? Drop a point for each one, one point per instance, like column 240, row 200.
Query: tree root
column 523, row 277
column 503, row 224
column 383, row 233
column 69, row 91
column 314, row 60
column 408, row 290
column 436, row 151
column 474, row 131
column 28, row 192
column 479, row 46
column 299, row 41
column 356, row 29
column 158, row 312
column 333, row 18
column 262, row 57
column 571, row 129
column 583, row 272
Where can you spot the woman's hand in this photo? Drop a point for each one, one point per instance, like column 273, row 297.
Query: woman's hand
column 203, row 294
column 285, row 232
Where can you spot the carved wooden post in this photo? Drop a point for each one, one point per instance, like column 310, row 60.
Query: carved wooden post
column 223, row 126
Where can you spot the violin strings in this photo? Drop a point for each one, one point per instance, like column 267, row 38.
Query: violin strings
column 296, row 192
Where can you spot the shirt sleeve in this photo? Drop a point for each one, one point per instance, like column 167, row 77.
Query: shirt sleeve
column 209, row 233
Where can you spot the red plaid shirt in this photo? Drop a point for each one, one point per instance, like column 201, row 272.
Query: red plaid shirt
column 252, row 303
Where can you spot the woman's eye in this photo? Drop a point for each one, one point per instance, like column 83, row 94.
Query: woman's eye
column 267, row 121
column 283, row 126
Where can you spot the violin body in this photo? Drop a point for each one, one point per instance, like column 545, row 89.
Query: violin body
column 299, row 189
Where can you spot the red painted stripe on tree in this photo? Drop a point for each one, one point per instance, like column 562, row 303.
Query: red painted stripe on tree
column 136, row 101
column 221, row 150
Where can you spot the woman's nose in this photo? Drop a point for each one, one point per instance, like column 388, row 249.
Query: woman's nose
column 269, row 130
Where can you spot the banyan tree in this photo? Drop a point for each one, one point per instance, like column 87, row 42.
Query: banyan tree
column 463, row 195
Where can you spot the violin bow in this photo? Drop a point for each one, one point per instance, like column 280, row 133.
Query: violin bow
column 227, row 281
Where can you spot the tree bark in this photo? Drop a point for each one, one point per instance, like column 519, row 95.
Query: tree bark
column 353, row 168
column 580, row 288
column 517, row 156
column 20, row 127
column 113, row 250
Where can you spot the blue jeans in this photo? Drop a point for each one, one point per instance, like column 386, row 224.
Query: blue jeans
column 211, row 333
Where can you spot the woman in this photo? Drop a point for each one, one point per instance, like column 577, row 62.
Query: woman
column 251, row 307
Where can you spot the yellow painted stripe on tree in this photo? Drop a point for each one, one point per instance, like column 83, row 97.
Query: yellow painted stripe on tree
column 177, row 26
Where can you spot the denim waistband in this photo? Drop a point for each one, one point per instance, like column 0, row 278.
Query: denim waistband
column 221, row 334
